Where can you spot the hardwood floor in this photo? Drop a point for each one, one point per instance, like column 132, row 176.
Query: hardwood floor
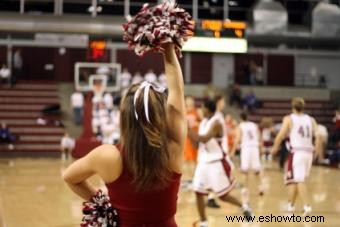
column 33, row 195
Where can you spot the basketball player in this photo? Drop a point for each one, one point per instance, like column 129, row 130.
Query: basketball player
column 143, row 176
column 301, row 128
column 220, row 105
column 213, row 172
column 249, row 139
column 190, row 151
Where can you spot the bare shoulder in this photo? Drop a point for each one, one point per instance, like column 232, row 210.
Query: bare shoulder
column 106, row 151
column 286, row 117
column 108, row 161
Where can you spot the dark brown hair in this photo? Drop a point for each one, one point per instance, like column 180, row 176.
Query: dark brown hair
column 244, row 116
column 144, row 144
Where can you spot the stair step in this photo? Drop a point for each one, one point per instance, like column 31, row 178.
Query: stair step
column 33, row 147
column 39, row 138
column 12, row 114
column 22, row 107
column 288, row 105
column 35, row 86
column 24, row 100
column 42, row 131
column 11, row 93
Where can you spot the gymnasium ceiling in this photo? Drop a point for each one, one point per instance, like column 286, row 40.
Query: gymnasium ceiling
column 299, row 11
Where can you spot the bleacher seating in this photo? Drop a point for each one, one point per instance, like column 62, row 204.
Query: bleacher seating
column 20, row 107
column 276, row 109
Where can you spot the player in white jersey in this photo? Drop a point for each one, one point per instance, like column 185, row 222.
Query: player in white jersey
column 301, row 128
column 248, row 137
column 213, row 172
column 220, row 104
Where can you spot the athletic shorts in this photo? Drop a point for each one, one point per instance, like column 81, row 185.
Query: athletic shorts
column 250, row 160
column 214, row 177
column 298, row 166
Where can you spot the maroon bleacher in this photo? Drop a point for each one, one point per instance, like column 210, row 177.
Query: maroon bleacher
column 20, row 107
column 322, row 111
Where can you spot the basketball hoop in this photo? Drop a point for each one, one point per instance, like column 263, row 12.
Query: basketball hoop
column 98, row 88
column 98, row 84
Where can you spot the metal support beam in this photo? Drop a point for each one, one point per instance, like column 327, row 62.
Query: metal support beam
column 22, row 6
column 94, row 6
column 226, row 9
column 61, row 7
column 56, row 7
column 195, row 9
column 126, row 8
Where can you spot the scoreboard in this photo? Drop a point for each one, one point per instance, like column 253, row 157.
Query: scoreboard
column 218, row 36
column 220, row 29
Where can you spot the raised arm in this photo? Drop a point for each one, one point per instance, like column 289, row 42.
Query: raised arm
column 215, row 131
column 175, row 104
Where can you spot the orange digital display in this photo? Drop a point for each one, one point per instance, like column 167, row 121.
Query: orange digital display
column 219, row 27
column 97, row 49
column 98, row 45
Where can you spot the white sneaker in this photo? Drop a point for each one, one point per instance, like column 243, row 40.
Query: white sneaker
column 203, row 224
column 290, row 208
column 307, row 209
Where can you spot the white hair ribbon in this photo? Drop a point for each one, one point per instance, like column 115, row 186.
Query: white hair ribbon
column 146, row 86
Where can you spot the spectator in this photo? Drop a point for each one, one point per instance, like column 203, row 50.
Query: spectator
column 5, row 74
column 77, row 102
column 137, row 78
column 107, row 128
column 245, row 72
column 67, row 145
column 125, row 79
column 150, row 76
column 250, row 101
column 236, row 96
column 18, row 66
column 115, row 117
column 322, row 81
column 252, row 72
column 6, row 136
column 259, row 76
column 336, row 120
column 108, row 101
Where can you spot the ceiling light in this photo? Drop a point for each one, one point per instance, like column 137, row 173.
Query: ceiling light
column 233, row 3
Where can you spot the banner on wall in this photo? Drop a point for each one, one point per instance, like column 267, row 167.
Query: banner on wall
column 62, row 39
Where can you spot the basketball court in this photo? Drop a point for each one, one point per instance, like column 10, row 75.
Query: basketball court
column 32, row 192
column 269, row 51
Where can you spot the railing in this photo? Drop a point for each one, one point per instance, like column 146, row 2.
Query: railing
column 309, row 80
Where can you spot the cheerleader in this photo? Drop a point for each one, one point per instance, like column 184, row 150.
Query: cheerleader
column 142, row 175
